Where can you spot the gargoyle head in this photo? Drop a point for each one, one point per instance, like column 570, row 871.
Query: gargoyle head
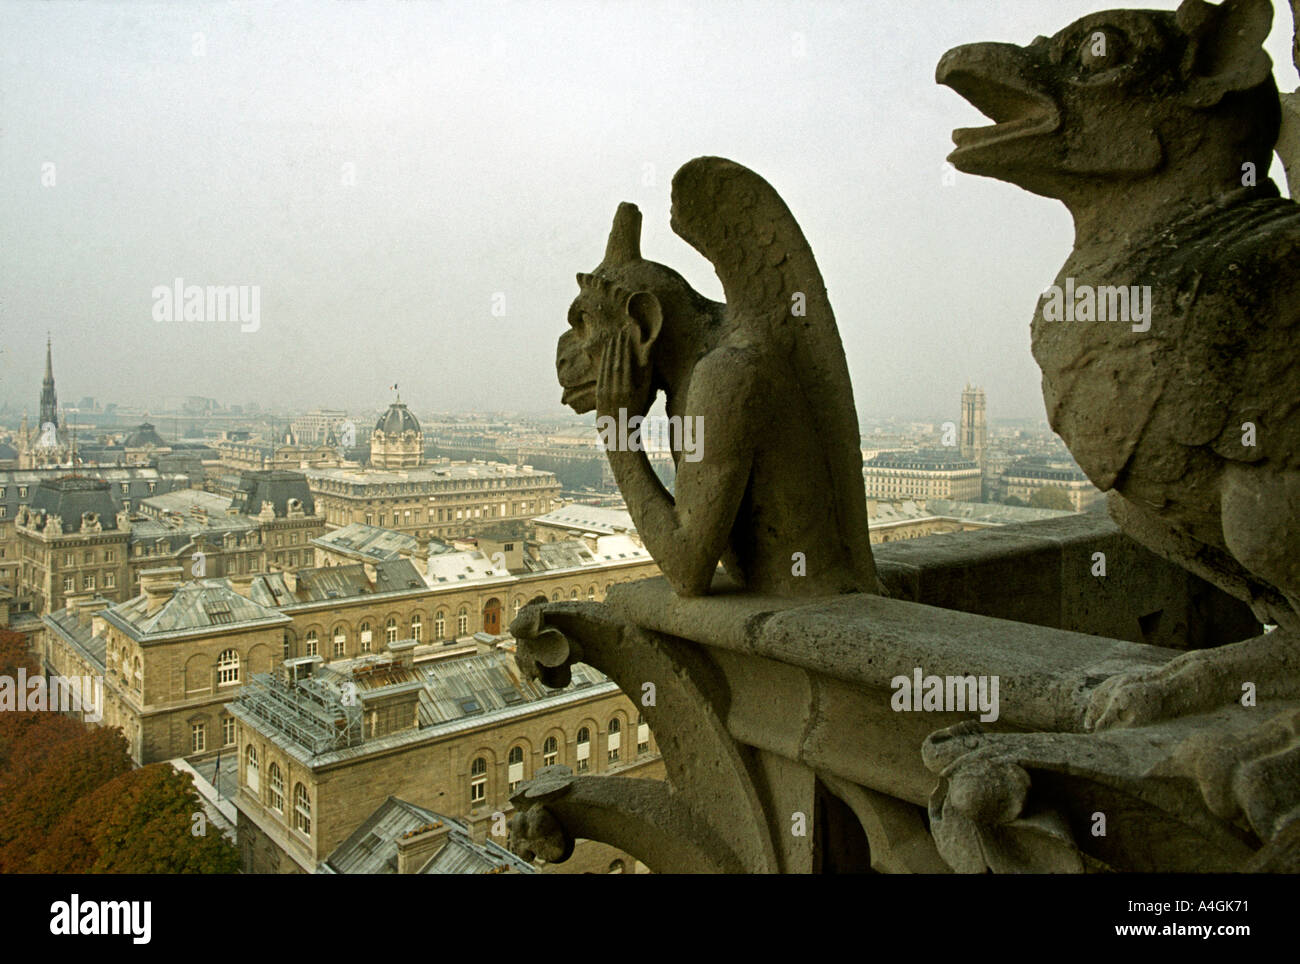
column 1121, row 95
column 624, row 290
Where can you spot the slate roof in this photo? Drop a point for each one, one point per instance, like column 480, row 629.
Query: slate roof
column 142, row 436
column 372, row 847
column 588, row 518
column 70, row 497
column 396, row 420
column 462, row 568
column 275, row 487
column 368, row 542
column 335, row 582
column 931, row 460
column 136, row 479
column 197, row 606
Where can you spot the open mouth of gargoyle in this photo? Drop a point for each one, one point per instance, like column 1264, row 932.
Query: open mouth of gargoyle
column 1015, row 110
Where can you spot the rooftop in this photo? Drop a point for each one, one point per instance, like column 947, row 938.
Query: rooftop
column 588, row 518
column 372, row 847
column 368, row 542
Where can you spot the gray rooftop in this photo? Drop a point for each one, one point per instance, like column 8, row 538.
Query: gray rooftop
column 335, row 582
column 199, row 606
column 368, row 542
column 372, row 847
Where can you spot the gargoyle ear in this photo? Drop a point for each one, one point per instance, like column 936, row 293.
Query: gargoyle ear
column 647, row 314
column 1225, row 53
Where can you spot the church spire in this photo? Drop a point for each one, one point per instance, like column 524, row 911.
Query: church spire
column 49, row 400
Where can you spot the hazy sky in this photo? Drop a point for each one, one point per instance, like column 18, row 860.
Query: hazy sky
column 490, row 144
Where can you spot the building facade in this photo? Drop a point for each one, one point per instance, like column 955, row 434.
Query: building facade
column 922, row 475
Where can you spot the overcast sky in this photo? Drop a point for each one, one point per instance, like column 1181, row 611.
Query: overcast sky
column 490, row 144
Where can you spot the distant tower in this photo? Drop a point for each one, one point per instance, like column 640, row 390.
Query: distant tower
column 49, row 401
column 974, row 427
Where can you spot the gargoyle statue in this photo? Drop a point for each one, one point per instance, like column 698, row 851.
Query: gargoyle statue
column 775, row 489
column 1156, row 130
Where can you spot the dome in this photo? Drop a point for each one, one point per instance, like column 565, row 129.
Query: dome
column 143, row 436
column 396, row 420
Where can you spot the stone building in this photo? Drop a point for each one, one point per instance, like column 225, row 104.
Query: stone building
column 440, row 500
column 170, row 659
column 922, row 475
column 397, row 441
column 127, row 488
column 321, row 748
column 1024, row 477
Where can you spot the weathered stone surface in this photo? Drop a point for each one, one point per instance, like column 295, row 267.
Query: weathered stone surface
column 1156, row 129
column 638, row 328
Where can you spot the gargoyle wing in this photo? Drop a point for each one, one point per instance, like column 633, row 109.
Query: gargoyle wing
column 775, row 293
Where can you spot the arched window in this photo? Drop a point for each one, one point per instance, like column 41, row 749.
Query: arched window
column 478, row 780
column 440, row 625
column 301, row 809
column 550, row 751
column 311, row 642
column 390, row 631
column 364, row 632
column 584, row 750
column 462, row 622
column 137, row 674
column 516, row 754
column 555, row 596
column 275, row 798
column 591, row 593
column 519, row 601
column 573, row 594
column 340, row 642
column 251, row 775
column 227, row 668
column 615, row 741
column 417, row 627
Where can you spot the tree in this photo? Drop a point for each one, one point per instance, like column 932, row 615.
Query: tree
column 1050, row 498
column 1012, row 500
column 147, row 821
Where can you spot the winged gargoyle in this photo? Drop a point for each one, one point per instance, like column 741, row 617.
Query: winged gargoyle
column 1156, row 130
column 775, row 490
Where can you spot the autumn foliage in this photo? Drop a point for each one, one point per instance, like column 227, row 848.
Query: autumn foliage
column 71, row 800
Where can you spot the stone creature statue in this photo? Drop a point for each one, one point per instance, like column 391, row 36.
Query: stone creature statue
column 775, row 489
column 1156, row 130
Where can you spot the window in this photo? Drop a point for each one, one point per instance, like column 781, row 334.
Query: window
column 198, row 737
column 137, row 674
column 439, row 625
column 615, row 740
column 250, row 764
column 390, row 631
column 69, row 559
column 555, row 597
column 519, row 600
column 515, row 763
column 110, row 580
column 311, row 642
column 365, row 637
column 591, row 593
column 550, row 752
column 286, row 645
column 301, row 809
column 69, row 583
column 478, row 780
column 228, row 731
column 88, row 581
column 275, row 798
column 417, row 627
column 584, row 750
column 110, row 555
column 462, row 622
column 228, row 668
column 88, row 557
column 340, row 642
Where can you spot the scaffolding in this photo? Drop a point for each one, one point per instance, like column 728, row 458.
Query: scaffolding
column 311, row 712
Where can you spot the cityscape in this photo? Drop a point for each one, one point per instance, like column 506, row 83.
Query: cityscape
column 654, row 439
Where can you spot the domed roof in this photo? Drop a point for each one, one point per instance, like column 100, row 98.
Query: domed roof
column 144, row 435
column 396, row 420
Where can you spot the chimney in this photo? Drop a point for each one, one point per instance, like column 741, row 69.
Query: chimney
column 86, row 608
column 242, row 585
column 290, row 580
column 416, row 847
column 372, row 574
column 157, row 586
